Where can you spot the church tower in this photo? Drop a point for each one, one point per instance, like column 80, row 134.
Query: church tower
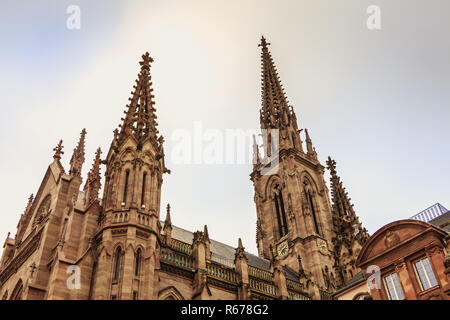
column 294, row 215
column 129, row 241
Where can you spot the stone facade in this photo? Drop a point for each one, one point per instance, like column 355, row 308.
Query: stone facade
column 120, row 248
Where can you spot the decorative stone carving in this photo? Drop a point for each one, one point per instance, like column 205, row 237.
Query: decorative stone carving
column 391, row 239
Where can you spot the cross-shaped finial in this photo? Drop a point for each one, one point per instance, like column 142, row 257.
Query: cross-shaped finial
column 263, row 43
column 331, row 164
column 58, row 150
column 146, row 59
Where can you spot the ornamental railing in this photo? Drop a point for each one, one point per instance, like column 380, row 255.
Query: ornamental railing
column 181, row 246
column 260, row 274
column 177, row 259
column 297, row 296
column 324, row 295
column 294, row 286
column 263, row 287
column 221, row 273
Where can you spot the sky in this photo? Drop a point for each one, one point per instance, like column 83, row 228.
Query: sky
column 377, row 101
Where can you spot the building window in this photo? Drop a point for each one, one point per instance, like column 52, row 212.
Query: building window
column 393, row 287
column 144, row 178
column 113, row 297
column 137, row 263
column 135, row 295
column 425, row 274
column 125, row 189
column 309, row 198
column 281, row 214
column 117, row 264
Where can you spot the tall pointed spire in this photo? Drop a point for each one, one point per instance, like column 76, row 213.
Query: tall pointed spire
column 140, row 117
column 309, row 147
column 346, row 221
column 77, row 160
column 275, row 111
column 93, row 183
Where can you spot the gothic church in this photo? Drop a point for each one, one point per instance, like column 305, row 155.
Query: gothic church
column 121, row 247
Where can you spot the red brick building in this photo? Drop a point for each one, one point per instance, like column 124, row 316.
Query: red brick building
column 413, row 258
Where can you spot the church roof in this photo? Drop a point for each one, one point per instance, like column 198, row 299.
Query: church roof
column 358, row 278
column 223, row 253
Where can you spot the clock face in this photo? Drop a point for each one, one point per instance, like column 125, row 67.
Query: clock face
column 282, row 249
column 322, row 245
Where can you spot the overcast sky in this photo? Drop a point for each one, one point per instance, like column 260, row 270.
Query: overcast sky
column 377, row 101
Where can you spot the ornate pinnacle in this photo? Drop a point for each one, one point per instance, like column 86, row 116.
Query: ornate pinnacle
column 93, row 183
column 58, row 150
column 309, row 147
column 30, row 199
column 205, row 231
column 240, row 251
column 168, row 221
column 77, row 160
column 256, row 155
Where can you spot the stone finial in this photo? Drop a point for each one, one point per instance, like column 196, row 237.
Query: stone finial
column 205, row 231
column 93, row 182
column 58, row 151
column 240, row 251
column 168, row 221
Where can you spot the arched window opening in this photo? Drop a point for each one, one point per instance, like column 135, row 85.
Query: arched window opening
column 144, row 179
column 125, row 189
column 281, row 214
column 17, row 292
column 137, row 264
column 309, row 199
column 117, row 264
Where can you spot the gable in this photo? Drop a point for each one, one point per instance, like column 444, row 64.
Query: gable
column 392, row 236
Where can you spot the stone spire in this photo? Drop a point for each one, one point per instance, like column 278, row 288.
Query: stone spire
column 93, row 183
column 275, row 111
column 140, row 118
column 346, row 222
column 309, row 147
column 58, row 151
column 168, row 221
column 256, row 155
column 77, row 160
column 240, row 251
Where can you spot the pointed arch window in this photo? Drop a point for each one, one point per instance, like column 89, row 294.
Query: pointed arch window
column 280, row 212
column 17, row 292
column 125, row 189
column 309, row 199
column 137, row 263
column 144, row 180
column 117, row 262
